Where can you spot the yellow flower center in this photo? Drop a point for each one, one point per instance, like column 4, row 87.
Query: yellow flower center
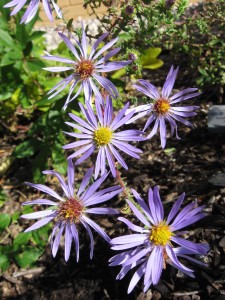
column 70, row 210
column 102, row 136
column 161, row 234
column 84, row 68
column 162, row 106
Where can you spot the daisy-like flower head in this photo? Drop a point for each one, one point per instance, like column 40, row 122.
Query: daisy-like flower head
column 162, row 109
column 157, row 242
column 98, row 132
column 32, row 8
column 72, row 209
column 86, row 68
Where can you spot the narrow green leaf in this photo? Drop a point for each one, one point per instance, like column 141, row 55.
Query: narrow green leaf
column 21, row 239
column 6, row 40
column 28, row 257
column 4, row 221
column 4, row 262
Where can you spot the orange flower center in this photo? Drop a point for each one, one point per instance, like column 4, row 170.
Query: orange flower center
column 162, row 106
column 84, row 68
column 70, row 209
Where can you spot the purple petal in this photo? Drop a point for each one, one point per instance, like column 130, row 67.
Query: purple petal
column 111, row 162
column 68, row 242
column 118, row 157
column 96, row 44
column 102, row 211
column 169, row 83
column 45, row 189
column 112, row 66
column 176, row 263
column 107, row 84
column 77, row 144
column 75, row 235
column 162, row 128
column 49, row 56
column 103, row 198
column 81, row 151
column 154, row 129
column 91, row 190
column 41, row 202
column 131, row 225
column 137, row 256
column 193, row 247
column 61, row 180
column 39, row 224
column 69, row 45
column 85, row 181
column 58, row 69
column 38, row 214
column 136, row 277
column 175, row 208
column 104, row 48
column 158, row 204
column 81, row 122
column 97, row 228
column 70, row 177
column 143, row 205
column 138, row 214
column 120, row 114
column 84, row 41
column 85, row 156
column 56, row 242
column 91, row 238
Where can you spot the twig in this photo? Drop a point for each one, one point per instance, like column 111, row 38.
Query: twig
column 29, row 272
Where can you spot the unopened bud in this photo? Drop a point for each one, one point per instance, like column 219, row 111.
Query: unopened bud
column 129, row 9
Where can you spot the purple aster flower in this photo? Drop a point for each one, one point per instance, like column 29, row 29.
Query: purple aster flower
column 72, row 209
column 152, row 246
column 86, row 68
column 161, row 109
column 98, row 133
column 32, row 9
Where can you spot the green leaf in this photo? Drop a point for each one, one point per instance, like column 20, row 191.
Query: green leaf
column 6, row 40
column 21, row 239
column 118, row 74
column 40, row 236
column 149, row 56
column 27, row 209
column 4, row 262
column 26, row 149
column 35, row 65
column 28, row 257
column 15, row 216
column 59, row 159
column 4, row 221
column 40, row 163
column 10, row 58
column 154, row 63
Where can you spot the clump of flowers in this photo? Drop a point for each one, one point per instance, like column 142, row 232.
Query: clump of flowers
column 158, row 241
column 98, row 132
column 161, row 109
column 33, row 8
column 72, row 209
column 86, row 68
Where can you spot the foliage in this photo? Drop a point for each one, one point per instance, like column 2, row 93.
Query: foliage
column 198, row 33
column 137, row 24
column 23, row 92
column 26, row 248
